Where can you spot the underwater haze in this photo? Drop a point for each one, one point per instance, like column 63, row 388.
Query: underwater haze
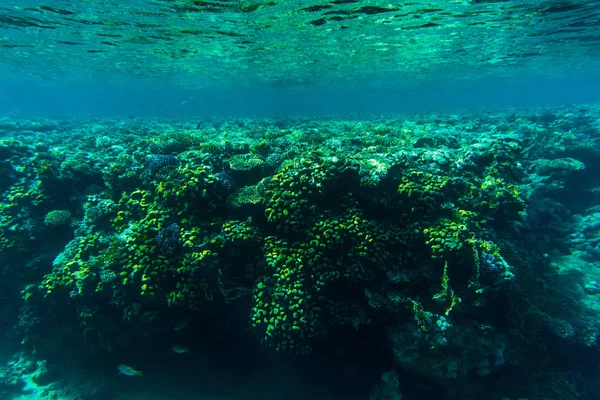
column 269, row 58
column 294, row 200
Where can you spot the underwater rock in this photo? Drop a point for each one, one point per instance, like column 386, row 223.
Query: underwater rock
column 7, row 175
column 559, row 166
column 226, row 183
column 388, row 388
column 5, row 152
column 446, row 355
column 161, row 164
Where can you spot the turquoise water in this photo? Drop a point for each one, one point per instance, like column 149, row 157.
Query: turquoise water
column 229, row 57
column 295, row 200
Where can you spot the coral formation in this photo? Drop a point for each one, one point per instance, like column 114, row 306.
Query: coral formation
column 433, row 241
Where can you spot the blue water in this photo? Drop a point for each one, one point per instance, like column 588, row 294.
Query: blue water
column 149, row 98
column 232, row 58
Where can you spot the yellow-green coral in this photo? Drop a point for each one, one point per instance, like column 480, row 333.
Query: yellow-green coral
column 308, row 233
column 293, row 194
column 347, row 247
column 282, row 303
column 421, row 191
column 189, row 191
column 446, row 237
column 57, row 218
column 446, row 295
column 134, row 257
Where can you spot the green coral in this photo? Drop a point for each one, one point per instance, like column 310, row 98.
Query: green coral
column 191, row 191
column 293, row 194
column 247, row 196
column 132, row 254
column 246, row 162
column 25, row 197
column 174, row 142
column 445, row 238
column 446, row 295
column 422, row 191
column 348, row 248
column 57, row 218
column 74, row 269
column 293, row 242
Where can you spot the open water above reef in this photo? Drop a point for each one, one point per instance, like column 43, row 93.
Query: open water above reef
column 184, row 57
column 296, row 200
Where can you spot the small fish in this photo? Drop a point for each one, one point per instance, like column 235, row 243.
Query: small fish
column 181, row 326
column 129, row 371
column 190, row 99
column 180, row 349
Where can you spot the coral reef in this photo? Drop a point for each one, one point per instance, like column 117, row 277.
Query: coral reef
column 440, row 244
